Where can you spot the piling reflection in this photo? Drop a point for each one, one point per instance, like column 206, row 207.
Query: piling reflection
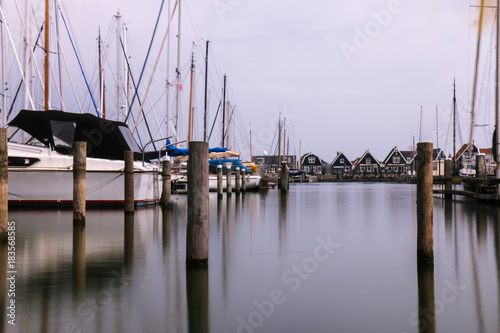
column 166, row 229
column 128, row 252
column 79, row 261
column 197, row 299
column 426, row 299
column 3, row 282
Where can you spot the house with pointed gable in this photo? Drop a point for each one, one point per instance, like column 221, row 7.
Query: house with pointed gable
column 311, row 164
column 466, row 158
column 409, row 156
column 367, row 166
column 341, row 166
column 395, row 164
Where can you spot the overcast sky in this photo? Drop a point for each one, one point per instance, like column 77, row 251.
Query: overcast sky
column 348, row 75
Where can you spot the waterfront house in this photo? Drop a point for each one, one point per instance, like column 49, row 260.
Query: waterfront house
column 341, row 166
column 438, row 158
column 409, row 156
column 367, row 166
column 465, row 157
column 311, row 164
column 269, row 163
column 395, row 164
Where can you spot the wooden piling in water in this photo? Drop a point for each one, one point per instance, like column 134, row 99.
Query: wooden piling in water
column 229, row 189
column 197, row 221
column 448, row 174
column 4, row 191
column 425, row 204
column 284, row 177
column 129, row 182
column 243, row 181
column 220, row 188
column 79, row 181
column 166, row 184
column 480, row 166
column 237, row 183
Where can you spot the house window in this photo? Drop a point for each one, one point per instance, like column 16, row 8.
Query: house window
column 369, row 168
column 306, row 168
column 260, row 161
column 362, row 168
column 396, row 160
column 311, row 159
column 341, row 161
column 368, row 160
column 347, row 169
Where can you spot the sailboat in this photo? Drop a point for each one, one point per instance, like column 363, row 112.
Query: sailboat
column 42, row 174
column 486, row 186
column 40, row 170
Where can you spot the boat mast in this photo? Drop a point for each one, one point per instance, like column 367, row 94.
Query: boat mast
column 497, row 97
column 178, row 73
column 223, row 112
column 205, row 107
column 101, row 79
column 251, row 142
column 476, row 68
column 118, row 66
column 46, row 81
column 190, row 126
column 59, row 65
column 167, row 98
column 279, row 142
column 454, row 125
column 2, row 51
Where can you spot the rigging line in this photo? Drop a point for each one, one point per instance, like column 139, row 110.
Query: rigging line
column 4, row 21
column 155, row 66
column 81, row 68
column 135, row 87
column 215, row 119
column 21, row 82
column 147, row 57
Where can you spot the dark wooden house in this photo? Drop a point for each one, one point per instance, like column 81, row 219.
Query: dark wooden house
column 269, row 163
column 367, row 166
column 341, row 166
column 311, row 164
column 395, row 164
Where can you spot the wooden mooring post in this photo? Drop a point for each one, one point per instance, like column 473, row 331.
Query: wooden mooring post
column 79, row 181
column 448, row 174
column 197, row 220
column 243, row 181
column 237, row 182
column 425, row 204
column 129, row 182
column 4, row 191
column 166, row 184
column 481, row 166
column 220, row 188
column 229, row 189
column 284, row 177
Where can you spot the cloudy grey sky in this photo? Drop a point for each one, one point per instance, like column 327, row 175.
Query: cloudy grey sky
column 349, row 75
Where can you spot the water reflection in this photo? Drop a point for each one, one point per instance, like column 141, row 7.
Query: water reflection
column 426, row 301
column 114, row 274
column 79, row 261
column 128, row 248
column 197, row 299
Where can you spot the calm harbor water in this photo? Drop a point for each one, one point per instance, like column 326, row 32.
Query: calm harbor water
column 332, row 257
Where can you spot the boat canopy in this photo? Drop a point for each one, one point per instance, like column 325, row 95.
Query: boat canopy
column 226, row 163
column 58, row 130
column 174, row 151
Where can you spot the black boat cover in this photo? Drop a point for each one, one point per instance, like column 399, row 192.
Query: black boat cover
column 58, row 129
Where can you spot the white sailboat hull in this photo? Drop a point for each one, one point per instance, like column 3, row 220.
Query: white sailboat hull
column 49, row 181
